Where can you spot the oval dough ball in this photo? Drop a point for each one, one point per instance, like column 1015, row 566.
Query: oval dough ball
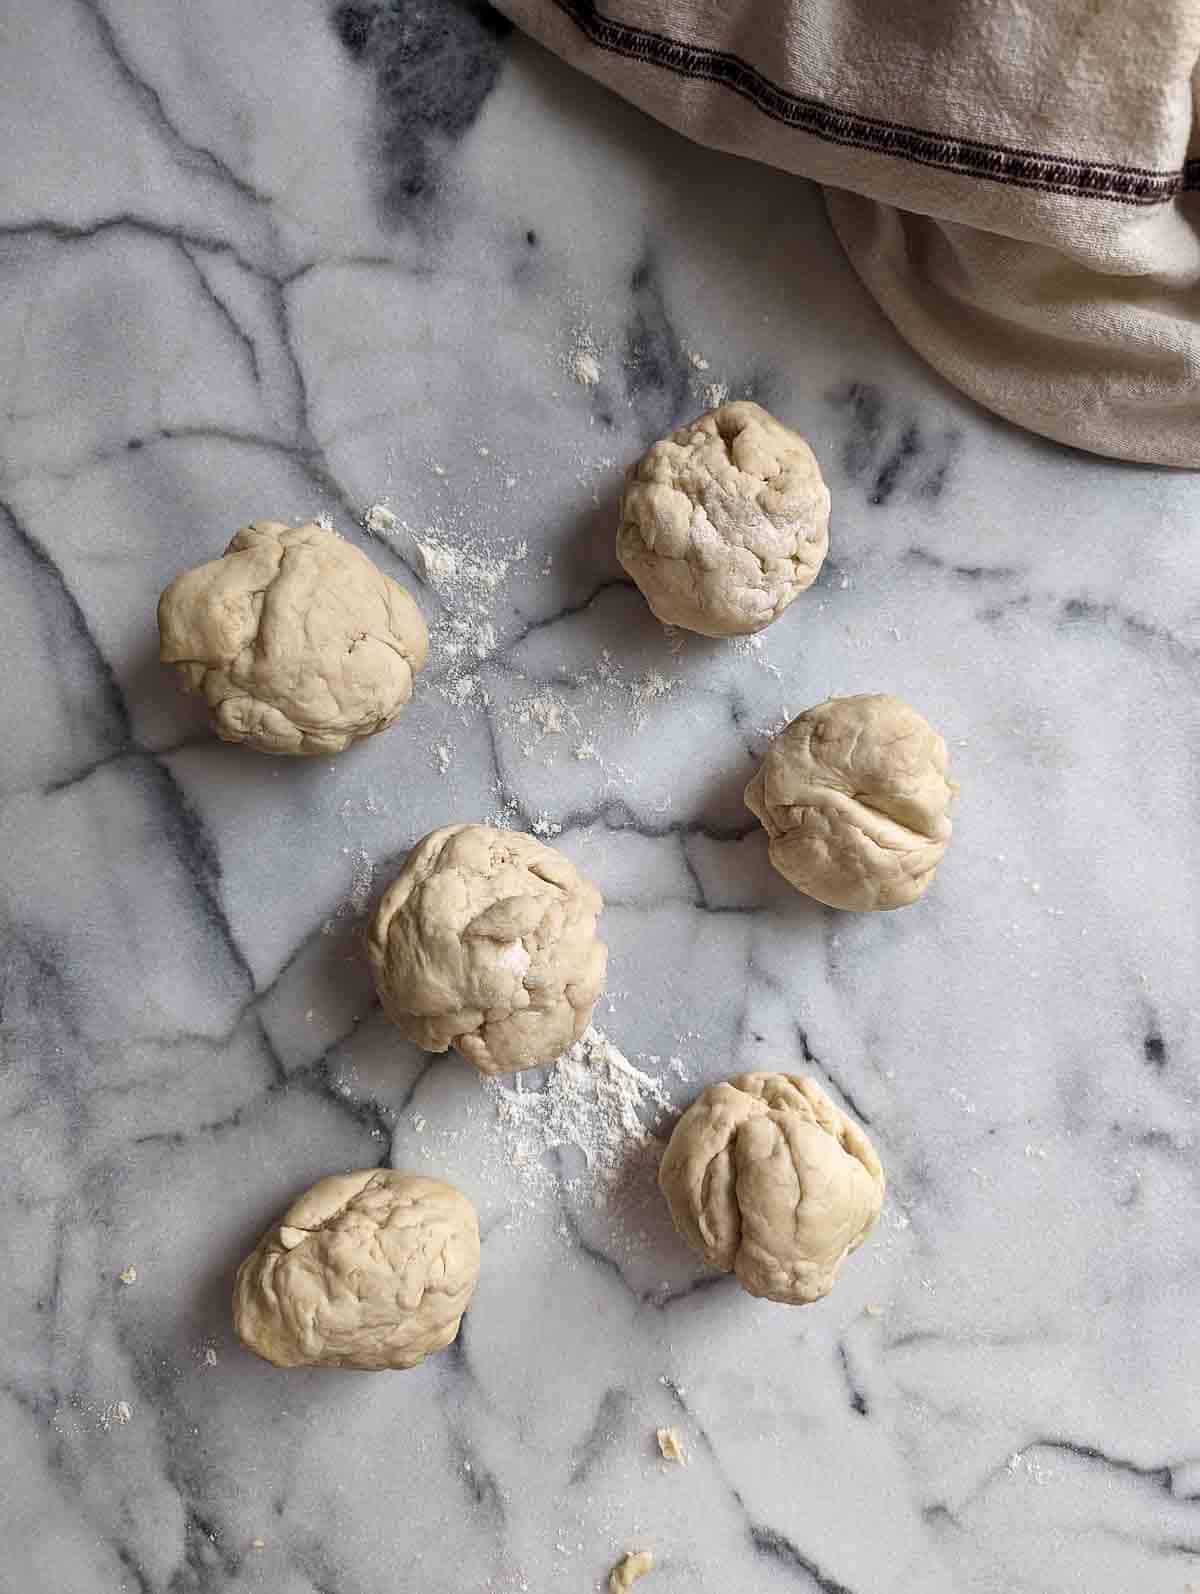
column 725, row 522
column 854, row 796
column 486, row 941
column 767, row 1179
column 369, row 1270
column 298, row 642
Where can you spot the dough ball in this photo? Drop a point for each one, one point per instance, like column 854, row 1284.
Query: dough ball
column 854, row 794
column 298, row 642
column 725, row 522
column 370, row 1270
column 768, row 1179
column 486, row 941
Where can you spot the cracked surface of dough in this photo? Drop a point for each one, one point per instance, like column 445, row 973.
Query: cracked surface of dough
column 297, row 642
column 854, row 796
column 371, row 1270
column 486, row 941
column 770, row 1180
column 725, row 522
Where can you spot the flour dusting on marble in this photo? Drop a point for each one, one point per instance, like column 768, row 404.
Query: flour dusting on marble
column 594, row 1101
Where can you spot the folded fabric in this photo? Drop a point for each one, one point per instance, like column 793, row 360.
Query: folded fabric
column 1011, row 181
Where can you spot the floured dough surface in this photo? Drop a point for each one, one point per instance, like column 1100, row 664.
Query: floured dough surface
column 486, row 941
column 369, row 1270
column 768, row 1179
column 297, row 642
column 854, row 795
column 725, row 522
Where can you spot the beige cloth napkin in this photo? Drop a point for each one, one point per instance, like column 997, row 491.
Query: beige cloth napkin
column 1011, row 180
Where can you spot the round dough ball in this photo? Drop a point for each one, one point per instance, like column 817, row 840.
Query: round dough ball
column 853, row 794
column 486, row 941
column 768, row 1179
column 298, row 642
column 725, row 522
column 370, row 1270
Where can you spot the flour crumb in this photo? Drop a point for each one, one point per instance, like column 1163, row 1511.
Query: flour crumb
column 585, row 751
column 546, row 827
column 679, row 1068
column 209, row 1357
column 697, row 361
column 715, row 394
column 443, row 756
column 325, row 522
column 119, row 1412
column 379, row 518
column 585, row 368
column 873, row 1309
column 258, row 1544
column 485, row 453
column 439, row 563
column 438, row 470
column 631, row 1566
column 670, row 1445
column 128, row 1275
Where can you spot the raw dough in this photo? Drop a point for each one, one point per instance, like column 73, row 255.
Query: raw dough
column 725, row 522
column 298, row 642
column 486, row 941
column 768, row 1179
column 371, row 1270
column 631, row 1566
column 853, row 795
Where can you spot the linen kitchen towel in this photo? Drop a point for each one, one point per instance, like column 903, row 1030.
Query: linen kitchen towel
column 1017, row 184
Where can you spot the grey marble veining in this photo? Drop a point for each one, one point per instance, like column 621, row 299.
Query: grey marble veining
column 285, row 261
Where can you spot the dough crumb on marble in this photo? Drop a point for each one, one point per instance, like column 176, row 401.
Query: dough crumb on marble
column 632, row 1565
column 585, row 368
column 670, row 1445
column 128, row 1275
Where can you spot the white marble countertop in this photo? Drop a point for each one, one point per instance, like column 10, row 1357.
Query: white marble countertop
column 304, row 264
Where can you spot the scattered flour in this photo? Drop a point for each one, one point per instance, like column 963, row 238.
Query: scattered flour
column 362, row 879
column 592, row 1101
column 715, row 394
column 751, row 647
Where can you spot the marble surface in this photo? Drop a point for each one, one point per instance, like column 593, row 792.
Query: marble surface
column 302, row 264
